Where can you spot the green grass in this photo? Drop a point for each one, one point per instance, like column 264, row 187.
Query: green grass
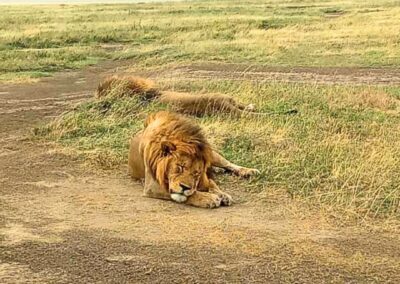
column 39, row 40
column 342, row 152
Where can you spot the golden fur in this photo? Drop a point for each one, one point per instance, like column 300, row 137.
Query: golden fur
column 127, row 86
column 177, row 137
column 193, row 104
column 174, row 158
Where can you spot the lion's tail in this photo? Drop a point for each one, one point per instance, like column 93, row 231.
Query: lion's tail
column 260, row 114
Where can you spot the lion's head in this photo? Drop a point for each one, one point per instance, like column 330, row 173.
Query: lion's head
column 179, row 159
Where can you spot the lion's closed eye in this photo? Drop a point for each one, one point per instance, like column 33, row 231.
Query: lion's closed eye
column 180, row 169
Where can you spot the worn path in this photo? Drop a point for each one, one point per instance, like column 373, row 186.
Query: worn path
column 62, row 223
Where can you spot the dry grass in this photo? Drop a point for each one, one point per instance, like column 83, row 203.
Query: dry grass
column 338, row 153
column 341, row 152
column 36, row 41
column 365, row 99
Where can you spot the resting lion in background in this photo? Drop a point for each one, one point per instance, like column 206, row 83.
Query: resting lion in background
column 192, row 104
column 174, row 158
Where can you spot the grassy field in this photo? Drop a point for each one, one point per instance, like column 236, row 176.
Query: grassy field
column 341, row 153
column 38, row 40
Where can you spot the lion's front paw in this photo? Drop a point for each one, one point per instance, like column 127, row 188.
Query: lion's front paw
column 250, row 107
column 246, row 172
column 213, row 202
column 226, row 199
column 210, row 201
column 204, row 200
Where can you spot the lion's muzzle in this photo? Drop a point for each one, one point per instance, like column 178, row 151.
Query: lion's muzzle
column 181, row 192
column 180, row 198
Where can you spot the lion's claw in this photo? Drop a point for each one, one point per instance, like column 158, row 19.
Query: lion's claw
column 214, row 202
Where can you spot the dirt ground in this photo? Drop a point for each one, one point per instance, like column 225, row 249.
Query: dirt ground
column 63, row 223
column 321, row 75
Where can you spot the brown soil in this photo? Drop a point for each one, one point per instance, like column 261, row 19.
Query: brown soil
column 322, row 75
column 63, row 223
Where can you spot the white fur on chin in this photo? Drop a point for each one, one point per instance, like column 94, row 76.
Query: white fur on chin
column 178, row 197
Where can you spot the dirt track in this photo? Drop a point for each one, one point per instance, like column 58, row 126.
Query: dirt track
column 321, row 75
column 62, row 223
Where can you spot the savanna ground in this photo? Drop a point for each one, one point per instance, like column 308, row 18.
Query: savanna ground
column 324, row 209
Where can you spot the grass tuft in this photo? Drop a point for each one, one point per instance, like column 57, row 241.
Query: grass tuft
column 272, row 24
column 99, row 129
column 341, row 152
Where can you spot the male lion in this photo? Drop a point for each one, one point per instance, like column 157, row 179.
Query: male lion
column 175, row 160
column 199, row 104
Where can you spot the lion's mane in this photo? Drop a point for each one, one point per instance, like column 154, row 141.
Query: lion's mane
column 179, row 132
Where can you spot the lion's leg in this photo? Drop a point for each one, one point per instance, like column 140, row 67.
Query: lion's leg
column 238, row 109
column 241, row 108
column 221, row 162
column 250, row 108
column 227, row 105
column 152, row 189
column 135, row 161
column 204, row 200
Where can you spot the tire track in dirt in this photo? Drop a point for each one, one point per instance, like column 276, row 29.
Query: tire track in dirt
column 26, row 105
column 316, row 75
column 10, row 106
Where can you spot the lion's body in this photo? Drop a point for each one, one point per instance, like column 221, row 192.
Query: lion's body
column 202, row 104
column 127, row 86
column 174, row 158
column 186, row 103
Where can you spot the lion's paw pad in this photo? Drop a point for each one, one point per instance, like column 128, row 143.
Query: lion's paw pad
column 226, row 199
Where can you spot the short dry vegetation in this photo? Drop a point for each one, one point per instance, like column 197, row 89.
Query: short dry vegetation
column 36, row 41
column 340, row 152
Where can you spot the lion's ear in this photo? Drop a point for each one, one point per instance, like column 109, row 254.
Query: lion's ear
column 167, row 147
column 204, row 148
column 201, row 146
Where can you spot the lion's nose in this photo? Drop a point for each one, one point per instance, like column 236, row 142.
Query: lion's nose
column 184, row 186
